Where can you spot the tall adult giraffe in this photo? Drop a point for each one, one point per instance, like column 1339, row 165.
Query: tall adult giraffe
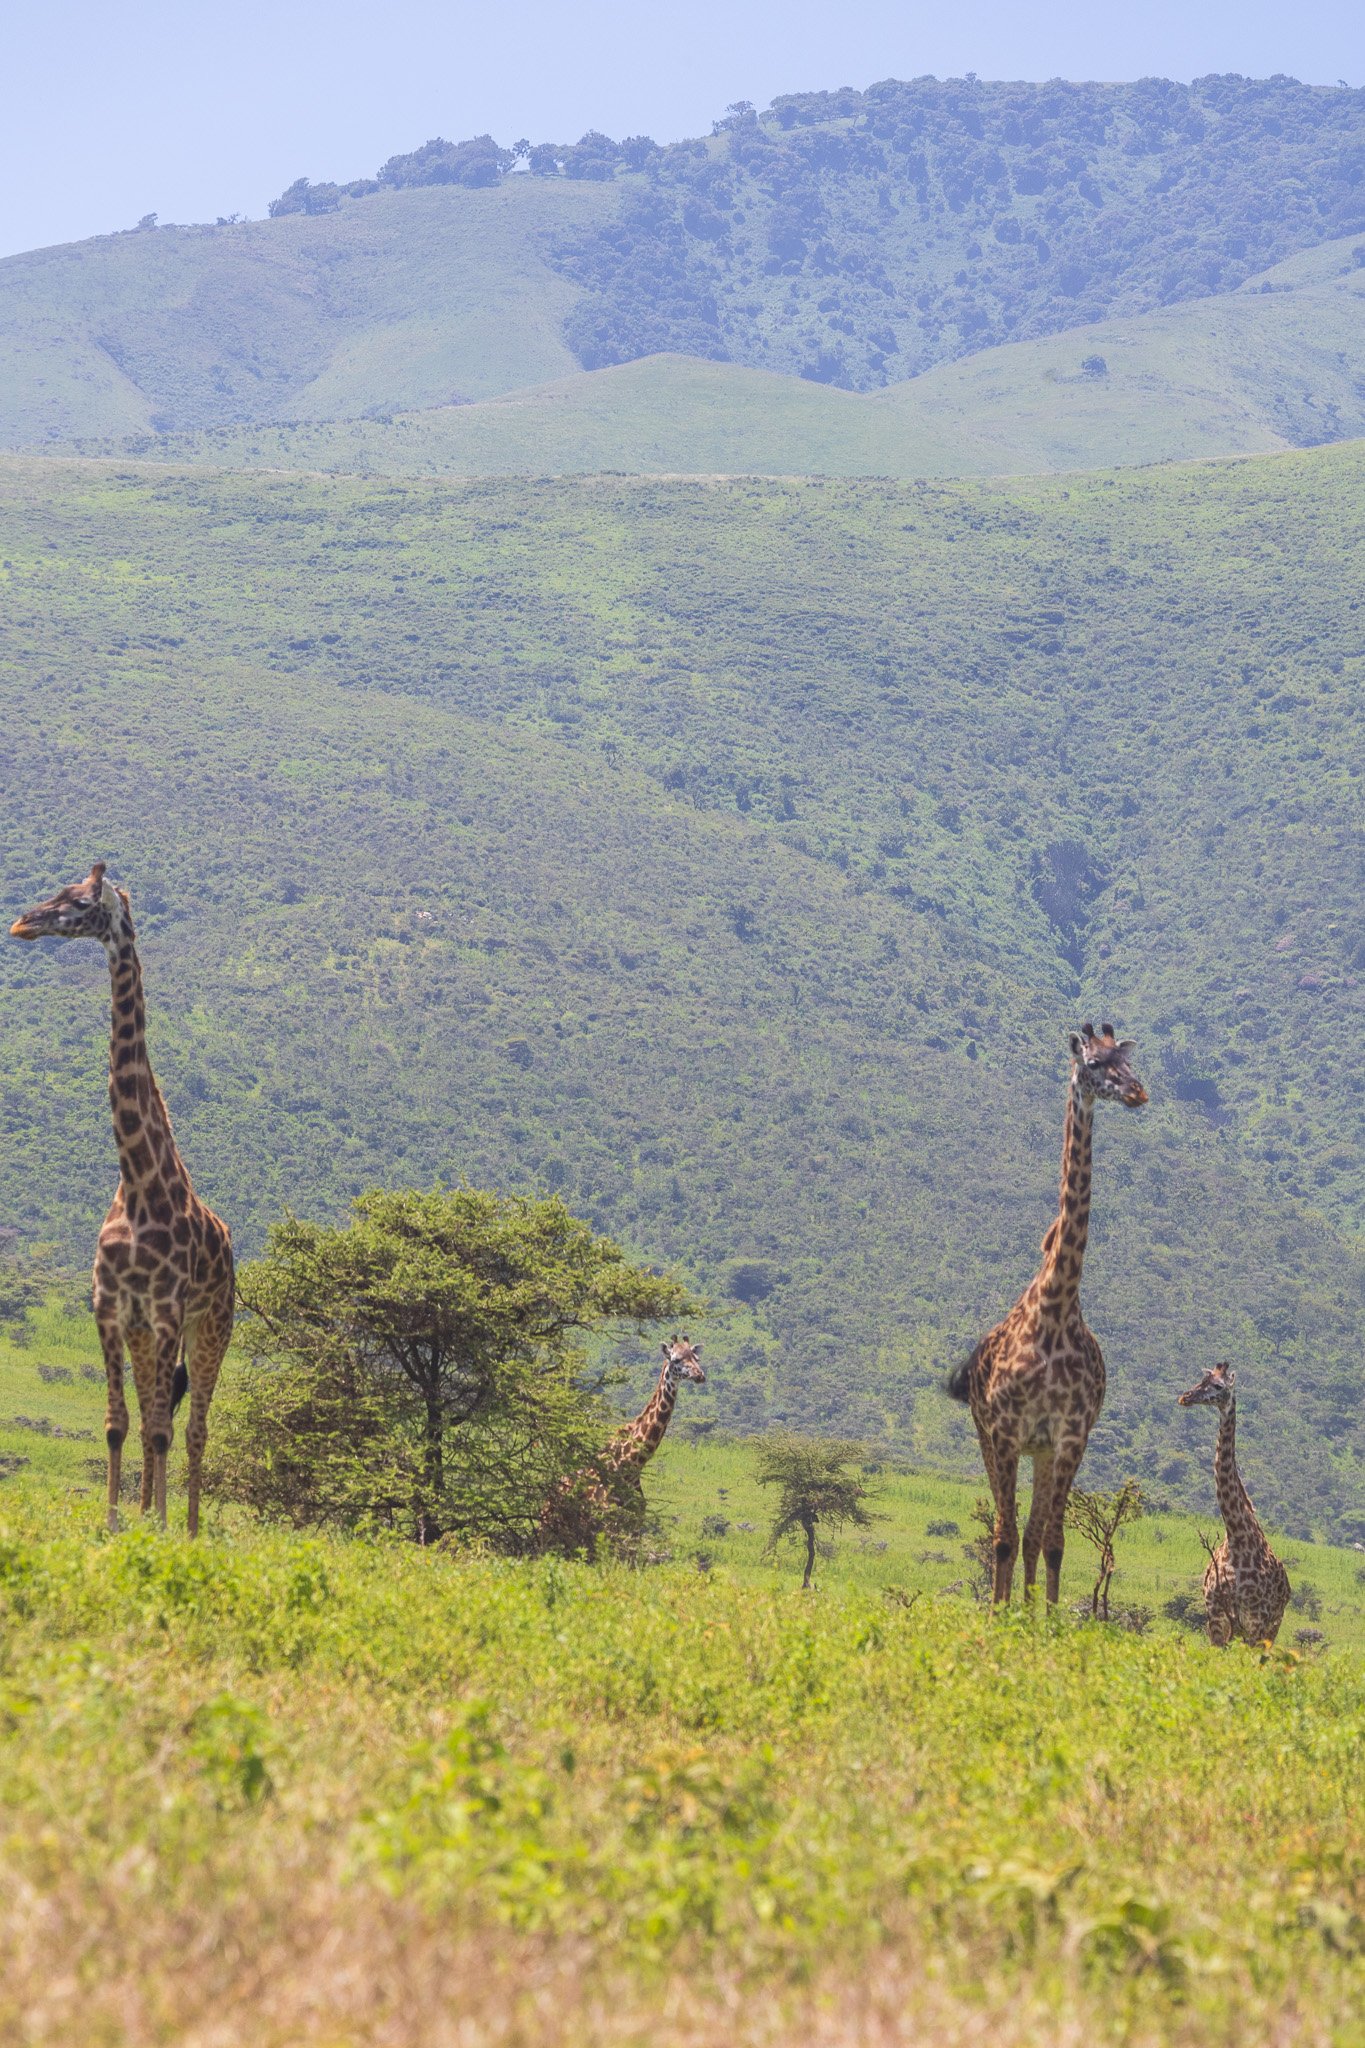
column 586, row 1501
column 163, row 1264
column 1246, row 1588
column 1035, row 1384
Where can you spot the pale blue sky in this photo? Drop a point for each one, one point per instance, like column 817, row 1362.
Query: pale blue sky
column 111, row 111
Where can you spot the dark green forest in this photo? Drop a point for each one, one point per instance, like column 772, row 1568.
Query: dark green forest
column 857, row 238
column 734, row 858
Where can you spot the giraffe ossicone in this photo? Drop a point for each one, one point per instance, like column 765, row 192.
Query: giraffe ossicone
column 163, row 1281
column 1246, row 1588
column 1035, row 1383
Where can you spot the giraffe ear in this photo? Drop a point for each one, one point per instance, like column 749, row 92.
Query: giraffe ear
column 97, row 874
column 666, row 1349
column 696, row 1351
column 1075, row 1044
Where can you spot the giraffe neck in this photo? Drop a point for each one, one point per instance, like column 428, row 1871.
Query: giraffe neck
column 1234, row 1502
column 1060, row 1280
column 641, row 1439
column 142, row 1124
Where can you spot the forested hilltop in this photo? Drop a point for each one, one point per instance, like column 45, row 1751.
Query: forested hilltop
column 856, row 238
column 853, row 239
column 734, row 857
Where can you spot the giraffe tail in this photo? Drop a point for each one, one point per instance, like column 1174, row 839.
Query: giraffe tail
column 958, row 1385
column 180, row 1385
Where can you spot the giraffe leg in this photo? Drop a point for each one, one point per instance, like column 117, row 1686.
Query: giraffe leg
column 167, row 1339
column 1006, row 1464
column 142, row 1351
column 1066, row 1459
column 205, row 1346
column 116, row 1413
column 1039, row 1508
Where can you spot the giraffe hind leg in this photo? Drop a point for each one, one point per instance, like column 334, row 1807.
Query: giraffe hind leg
column 1006, row 1523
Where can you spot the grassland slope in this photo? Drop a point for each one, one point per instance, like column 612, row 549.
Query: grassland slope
column 526, row 832
column 412, row 300
column 1280, row 363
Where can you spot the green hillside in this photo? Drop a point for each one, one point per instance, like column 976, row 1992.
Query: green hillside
column 1280, row 363
column 735, row 857
column 853, row 239
column 415, row 298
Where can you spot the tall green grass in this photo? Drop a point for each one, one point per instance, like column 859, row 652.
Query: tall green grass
column 658, row 1770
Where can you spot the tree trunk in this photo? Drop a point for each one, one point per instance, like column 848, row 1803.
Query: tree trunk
column 809, row 1528
column 435, row 1469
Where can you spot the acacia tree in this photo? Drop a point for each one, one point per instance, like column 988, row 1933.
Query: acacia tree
column 1099, row 1517
column 423, row 1364
column 819, row 1484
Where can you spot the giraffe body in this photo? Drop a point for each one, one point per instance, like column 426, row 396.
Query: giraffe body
column 1035, row 1384
column 163, row 1279
column 586, row 1502
column 1246, row 1588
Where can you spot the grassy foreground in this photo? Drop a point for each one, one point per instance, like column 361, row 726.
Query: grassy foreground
column 288, row 1791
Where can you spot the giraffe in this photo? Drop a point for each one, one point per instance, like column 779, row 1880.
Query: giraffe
column 1035, row 1384
column 1246, row 1588
column 584, row 1501
column 163, row 1281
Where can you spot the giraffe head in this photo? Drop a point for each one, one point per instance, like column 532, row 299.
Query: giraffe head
column 92, row 909
column 1215, row 1387
column 1103, row 1067
column 683, row 1359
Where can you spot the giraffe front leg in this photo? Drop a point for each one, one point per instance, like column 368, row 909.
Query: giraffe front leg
column 167, row 1338
column 116, row 1413
column 1006, row 1463
column 204, row 1357
column 1066, row 1460
column 142, row 1351
column 1039, row 1509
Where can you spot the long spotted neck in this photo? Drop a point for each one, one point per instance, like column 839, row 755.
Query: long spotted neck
column 1060, row 1279
column 639, row 1440
column 142, row 1124
column 1234, row 1502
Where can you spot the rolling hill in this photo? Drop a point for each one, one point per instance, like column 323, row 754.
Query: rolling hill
column 852, row 239
column 1279, row 363
column 735, row 856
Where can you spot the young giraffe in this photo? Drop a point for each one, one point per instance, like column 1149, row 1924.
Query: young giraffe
column 163, row 1264
column 1035, row 1385
column 585, row 1501
column 1246, row 1588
